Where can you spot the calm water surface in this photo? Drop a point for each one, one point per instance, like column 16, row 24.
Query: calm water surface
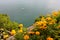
column 25, row 11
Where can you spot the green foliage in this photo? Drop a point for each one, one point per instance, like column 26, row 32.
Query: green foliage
column 37, row 19
column 19, row 36
column 3, row 19
column 6, row 23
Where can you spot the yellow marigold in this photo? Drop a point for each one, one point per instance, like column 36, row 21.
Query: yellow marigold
column 44, row 22
column 21, row 28
column 55, row 13
column 38, row 23
column 43, row 27
column 52, row 22
column 5, row 36
column 13, row 32
column 49, row 38
column 20, row 25
column 48, row 18
column 37, row 33
column 42, row 19
column 41, row 23
column 26, row 37
column 20, row 31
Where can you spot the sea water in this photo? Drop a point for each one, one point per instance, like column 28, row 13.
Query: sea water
column 26, row 11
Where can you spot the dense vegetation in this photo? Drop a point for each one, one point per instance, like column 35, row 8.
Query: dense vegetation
column 44, row 28
column 6, row 23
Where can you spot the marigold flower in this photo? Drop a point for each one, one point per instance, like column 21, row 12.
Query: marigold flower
column 20, row 25
column 20, row 31
column 13, row 32
column 52, row 22
column 49, row 38
column 42, row 19
column 48, row 18
column 38, row 23
column 26, row 37
column 43, row 27
column 55, row 13
column 37, row 33
column 45, row 22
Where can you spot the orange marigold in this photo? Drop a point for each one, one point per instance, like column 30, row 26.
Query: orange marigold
column 49, row 38
column 55, row 13
column 26, row 37
column 37, row 33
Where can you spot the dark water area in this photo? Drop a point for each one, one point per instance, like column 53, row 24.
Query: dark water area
column 26, row 11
